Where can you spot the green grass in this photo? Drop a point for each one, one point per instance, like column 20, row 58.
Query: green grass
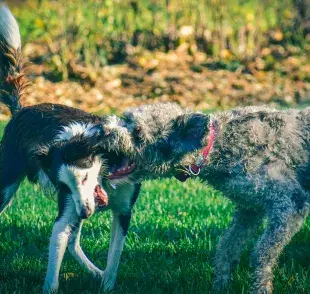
column 169, row 249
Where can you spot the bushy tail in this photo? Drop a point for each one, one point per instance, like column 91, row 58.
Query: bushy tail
column 12, row 64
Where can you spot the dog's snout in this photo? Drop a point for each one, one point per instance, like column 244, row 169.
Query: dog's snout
column 86, row 212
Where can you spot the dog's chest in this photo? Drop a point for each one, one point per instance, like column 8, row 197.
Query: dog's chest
column 120, row 198
column 242, row 189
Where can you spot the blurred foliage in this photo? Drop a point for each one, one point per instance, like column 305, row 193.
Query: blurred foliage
column 95, row 33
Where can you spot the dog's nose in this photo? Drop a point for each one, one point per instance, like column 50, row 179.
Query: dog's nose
column 86, row 212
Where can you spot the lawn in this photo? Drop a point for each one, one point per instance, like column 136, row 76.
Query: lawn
column 169, row 249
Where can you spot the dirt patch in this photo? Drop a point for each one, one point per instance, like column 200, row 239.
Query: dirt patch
column 192, row 80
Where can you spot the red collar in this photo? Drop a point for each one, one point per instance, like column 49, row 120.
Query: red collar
column 194, row 168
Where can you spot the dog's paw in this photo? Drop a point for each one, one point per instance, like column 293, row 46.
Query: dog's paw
column 50, row 288
column 98, row 274
column 107, row 282
column 266, row 288
column 221, row 282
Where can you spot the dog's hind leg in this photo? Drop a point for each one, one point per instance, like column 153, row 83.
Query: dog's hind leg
column 6, row 195
column 244, row 224
column 12, row 172
column 284, row 220
column 77, row 252
column 65, row 223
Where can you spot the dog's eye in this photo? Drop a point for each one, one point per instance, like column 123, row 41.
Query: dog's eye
column 85, row 179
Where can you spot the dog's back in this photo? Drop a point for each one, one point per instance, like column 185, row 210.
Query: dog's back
column 256, row 139
column 40, row 124
column 303, row 117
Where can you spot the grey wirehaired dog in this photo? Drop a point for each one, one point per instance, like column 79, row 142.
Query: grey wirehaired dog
column 257, row 156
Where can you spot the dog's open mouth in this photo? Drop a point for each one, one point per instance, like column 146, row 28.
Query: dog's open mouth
column 101, row 197
column 121, row 168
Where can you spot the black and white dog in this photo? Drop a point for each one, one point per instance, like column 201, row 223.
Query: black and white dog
column 64, row 149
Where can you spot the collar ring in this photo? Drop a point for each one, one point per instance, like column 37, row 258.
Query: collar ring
column 194, row 173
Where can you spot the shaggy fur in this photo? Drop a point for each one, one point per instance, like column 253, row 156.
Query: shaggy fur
column 260, row 160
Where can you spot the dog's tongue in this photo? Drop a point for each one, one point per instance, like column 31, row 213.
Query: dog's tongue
column 101, row 197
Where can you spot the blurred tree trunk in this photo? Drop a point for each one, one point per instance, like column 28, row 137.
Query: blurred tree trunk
column 303, row 15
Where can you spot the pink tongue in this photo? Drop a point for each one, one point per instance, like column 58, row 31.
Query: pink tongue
column 101, row 196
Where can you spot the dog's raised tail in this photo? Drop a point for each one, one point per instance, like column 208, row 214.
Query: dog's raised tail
column 12, row 64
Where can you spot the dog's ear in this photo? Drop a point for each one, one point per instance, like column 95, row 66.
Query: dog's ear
column 80, row 147
column 187, row 132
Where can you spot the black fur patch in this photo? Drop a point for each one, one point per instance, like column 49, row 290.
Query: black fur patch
column 79, row 150
column 124, row 220
column 63, row 194
column 1, row 199
column 135, row 194
column 74, row 226
column 188, row 132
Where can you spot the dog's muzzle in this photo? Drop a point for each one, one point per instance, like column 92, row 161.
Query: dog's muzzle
column 86, row 212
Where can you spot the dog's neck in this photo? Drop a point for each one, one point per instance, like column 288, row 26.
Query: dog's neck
column 202, row 158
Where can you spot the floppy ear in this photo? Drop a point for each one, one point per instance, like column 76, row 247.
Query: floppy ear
column 188, row 131
column 79, row 147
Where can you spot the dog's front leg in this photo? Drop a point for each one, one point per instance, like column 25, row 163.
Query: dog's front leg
column 284, row 220
column 119, row 230
column 64, row 224
column 77, row 252
column 120, row 224
column 244, row 224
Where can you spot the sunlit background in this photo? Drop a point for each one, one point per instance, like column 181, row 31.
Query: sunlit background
column 104, row 56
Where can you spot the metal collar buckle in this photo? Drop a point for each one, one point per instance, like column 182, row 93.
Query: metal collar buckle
column 193, row 173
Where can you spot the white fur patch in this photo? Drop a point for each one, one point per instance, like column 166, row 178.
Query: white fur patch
column 82, row 190
column 74, row 129
column 77, row 252
column 57, row 247
column 113, row 122
column 115, row 250
column 9, row 28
